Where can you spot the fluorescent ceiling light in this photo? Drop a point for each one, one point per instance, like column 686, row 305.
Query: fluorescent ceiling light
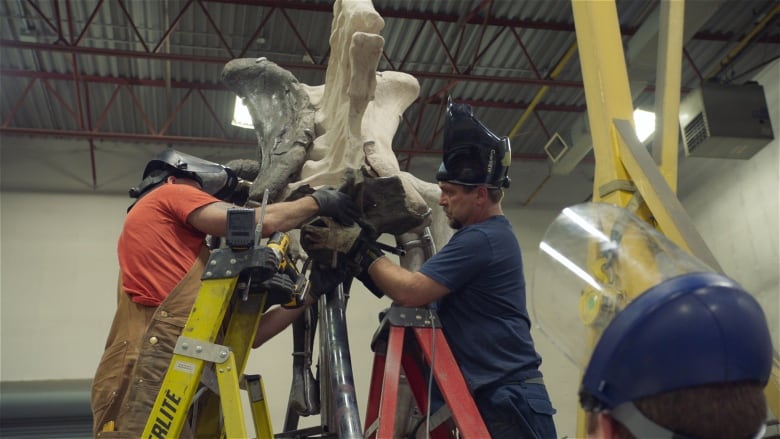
column 644, row 121
column 241, row 117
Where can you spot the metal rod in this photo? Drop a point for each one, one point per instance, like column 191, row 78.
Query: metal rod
column 340, row 407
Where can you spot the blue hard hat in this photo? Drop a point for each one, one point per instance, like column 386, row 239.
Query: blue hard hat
column 472, row 154
column 690, row 330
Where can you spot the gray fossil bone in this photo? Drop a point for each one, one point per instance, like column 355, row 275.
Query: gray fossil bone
column 283, row 118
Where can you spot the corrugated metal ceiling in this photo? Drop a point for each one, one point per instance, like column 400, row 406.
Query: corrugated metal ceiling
column 148, row 71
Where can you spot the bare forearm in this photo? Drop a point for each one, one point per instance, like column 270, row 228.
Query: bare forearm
column 279, row 217
column 284, row 216
column 273, row 322
column 406, row 288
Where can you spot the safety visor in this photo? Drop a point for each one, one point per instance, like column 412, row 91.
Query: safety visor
column 214, row 178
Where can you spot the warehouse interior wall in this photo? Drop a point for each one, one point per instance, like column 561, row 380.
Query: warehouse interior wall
column 59, row 273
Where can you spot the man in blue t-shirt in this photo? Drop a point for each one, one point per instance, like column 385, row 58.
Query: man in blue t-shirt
column 477, row 284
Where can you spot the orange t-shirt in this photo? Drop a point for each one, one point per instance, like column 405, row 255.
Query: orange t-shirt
column 157, row 246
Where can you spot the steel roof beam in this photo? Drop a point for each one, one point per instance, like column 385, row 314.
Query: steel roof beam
column 291, row 66
column 218, row 87
column 111, row 80
column 453, row 18
column 130, row 137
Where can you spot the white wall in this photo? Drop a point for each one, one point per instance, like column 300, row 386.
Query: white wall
column 58, row 289
column 58, row 273
column 734, row 205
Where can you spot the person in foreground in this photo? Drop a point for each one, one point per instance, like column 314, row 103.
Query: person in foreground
column 162, row 253
column 476, row 282
column 689, row 358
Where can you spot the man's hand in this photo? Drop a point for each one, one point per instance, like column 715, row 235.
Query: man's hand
column 363, row 253
column 339, row 253
column 326, row 242
column 337, row 205
column 324, row 278
column 280, row 288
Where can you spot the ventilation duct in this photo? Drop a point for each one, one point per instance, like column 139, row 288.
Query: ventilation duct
column 725, row 121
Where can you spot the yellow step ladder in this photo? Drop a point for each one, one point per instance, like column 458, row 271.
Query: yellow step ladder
column 217, row 338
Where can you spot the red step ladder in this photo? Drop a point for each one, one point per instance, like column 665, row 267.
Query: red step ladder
column 406, row 338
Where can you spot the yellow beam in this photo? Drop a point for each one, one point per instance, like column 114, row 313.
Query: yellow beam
column 745, row 40
column 542, row 91
column 667, row 98
column 608, row 97
column 607, row 93
column 673, row 221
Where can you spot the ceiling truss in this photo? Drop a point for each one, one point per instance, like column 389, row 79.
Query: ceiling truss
column 89, row 118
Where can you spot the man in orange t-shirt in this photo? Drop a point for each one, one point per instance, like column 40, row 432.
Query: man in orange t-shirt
column 162, row 253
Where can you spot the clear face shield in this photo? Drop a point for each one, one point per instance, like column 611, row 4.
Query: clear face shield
column 640, row 316
column 214, row 178
column 593, row 260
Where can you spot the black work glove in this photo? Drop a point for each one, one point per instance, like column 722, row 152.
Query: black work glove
column 363, row 253
column 325, row 278
column 280, row 288
column 361, row 256
column 337, row 205
column 369, row 283
column 339, row 253
column 279, row 283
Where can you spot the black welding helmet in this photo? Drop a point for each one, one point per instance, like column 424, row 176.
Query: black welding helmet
column 214, row 178
column 472, row 154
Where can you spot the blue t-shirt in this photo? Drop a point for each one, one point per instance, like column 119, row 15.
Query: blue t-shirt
column 484, row 317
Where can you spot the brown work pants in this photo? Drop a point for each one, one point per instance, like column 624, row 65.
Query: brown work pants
column 138, row 351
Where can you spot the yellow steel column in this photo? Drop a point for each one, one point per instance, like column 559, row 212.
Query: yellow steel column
column 667, row 99
column 608, row 97
column 607, row 94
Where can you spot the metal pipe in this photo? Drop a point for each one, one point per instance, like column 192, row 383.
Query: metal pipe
column 340, row 410
column 419, row 247
column 542, row 91
column 745, row 40
column 44, row 399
